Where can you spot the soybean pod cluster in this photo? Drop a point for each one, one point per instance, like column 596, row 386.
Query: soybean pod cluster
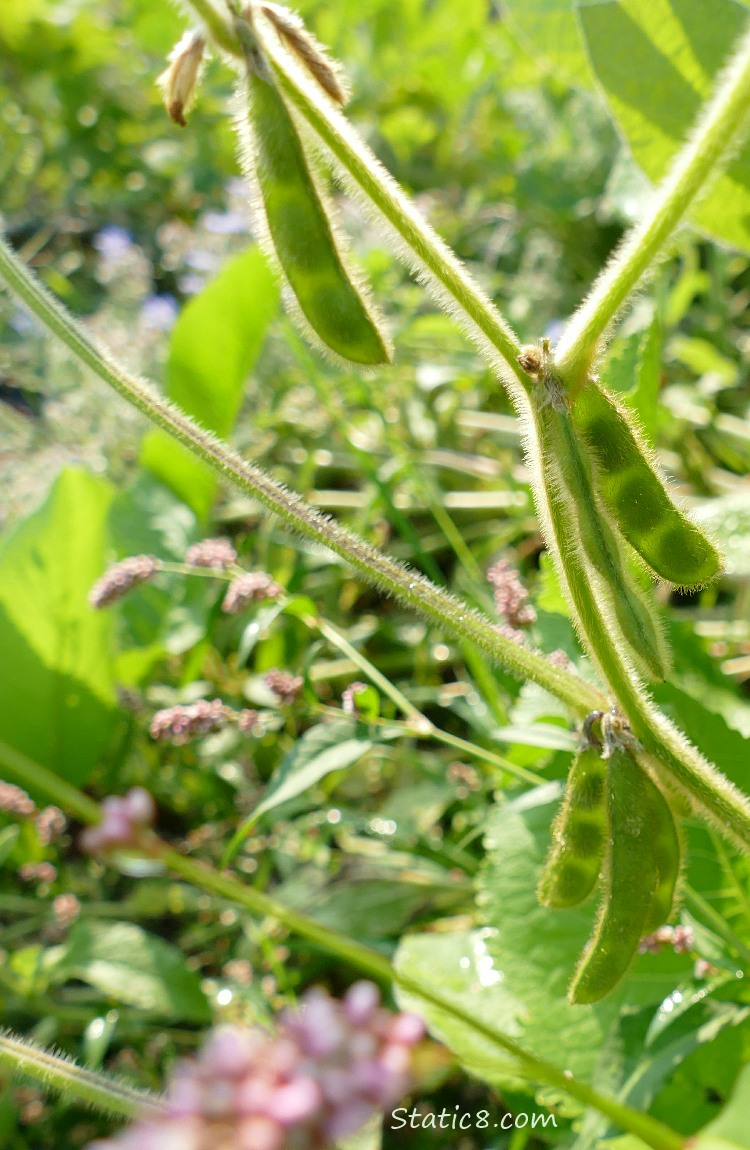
column 615, row 828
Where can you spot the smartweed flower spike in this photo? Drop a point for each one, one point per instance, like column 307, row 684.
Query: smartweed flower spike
column 330, row 1066
column 121, row 578
column 295, row 219
column 252, row 587
column 213, row 553
column 180, row 80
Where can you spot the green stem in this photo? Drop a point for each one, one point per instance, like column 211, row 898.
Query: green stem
column 719, row 123
column 60, row 1074
column 411, row 588
column 37, row 778
column 716, row 796
column 705, row 913
column 423, row 727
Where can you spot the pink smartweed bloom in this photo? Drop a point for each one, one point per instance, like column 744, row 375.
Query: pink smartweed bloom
column 123, row 821
column 510, row 595
column 214, row 553
column 121, row 578
column 329, row 1067
column 253, row 587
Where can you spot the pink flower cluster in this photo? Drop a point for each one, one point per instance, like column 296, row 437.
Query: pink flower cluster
column 330, row 1066
column 510, row 595
column 121, row 578
column 184, row 722
column 214, row 553
column 253, row 587
column 15, row 801
column 122, row 823
column 680, row 938
column 285, row 686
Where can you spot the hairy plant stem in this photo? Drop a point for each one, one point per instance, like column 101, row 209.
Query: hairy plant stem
column 363, row 958
column 412, row 588
column 62, row 1075
column 719, row 124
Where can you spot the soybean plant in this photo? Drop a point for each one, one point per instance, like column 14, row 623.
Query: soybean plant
column 601, row 503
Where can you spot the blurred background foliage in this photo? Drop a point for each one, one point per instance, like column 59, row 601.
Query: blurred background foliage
column 130, row 219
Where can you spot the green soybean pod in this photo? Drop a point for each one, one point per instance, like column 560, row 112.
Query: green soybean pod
column 669, row 542
column 297, row 224
column 633, row 610
column 579, row 834
column 630, row 880
column 667, row 848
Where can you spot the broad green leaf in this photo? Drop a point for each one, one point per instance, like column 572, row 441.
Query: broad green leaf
column 214, row 345
column 325, row 748
column 723, row 745
column 550, row 29
column 656, row 79
column 133, row 967
column 460, row 966
column 731, row 1129
column 56, row 692
column 727, row 521
column 171, row 613
column 371, row 908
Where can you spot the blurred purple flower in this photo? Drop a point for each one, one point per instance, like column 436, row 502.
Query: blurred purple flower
column 191, row 284
column 224, row 223
column 330, row 1066
column 202, row 261
column 112, row 242
column 159, row 312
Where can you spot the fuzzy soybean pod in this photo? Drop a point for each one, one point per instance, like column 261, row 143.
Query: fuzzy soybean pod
column 296, row 222
column 630, row 607
column 667, row 848
column 672, row 545
column 579, row 834
column 630, row 880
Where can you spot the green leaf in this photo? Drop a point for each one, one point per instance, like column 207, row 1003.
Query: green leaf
column 325, row 748
column 723, row 745
column 461, row 968
column 731, row 1128
column 727, row 521
column 56, row 692
column 133, row 967
column 550, row 29
column 657, row 61
column 214, row 345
